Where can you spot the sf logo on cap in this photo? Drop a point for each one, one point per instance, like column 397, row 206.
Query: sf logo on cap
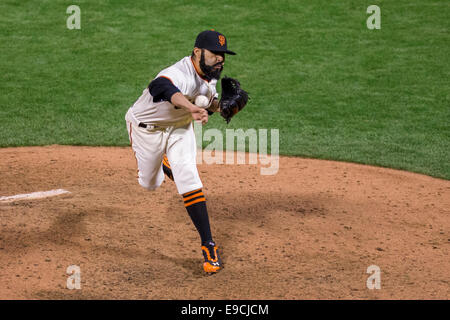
column 221, row 40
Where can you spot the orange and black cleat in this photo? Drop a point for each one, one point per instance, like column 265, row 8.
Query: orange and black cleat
column 212, row 263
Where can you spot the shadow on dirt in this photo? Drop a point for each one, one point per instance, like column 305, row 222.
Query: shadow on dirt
column 256, row 206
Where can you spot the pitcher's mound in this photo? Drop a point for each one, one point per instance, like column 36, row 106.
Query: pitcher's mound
column 311, row 231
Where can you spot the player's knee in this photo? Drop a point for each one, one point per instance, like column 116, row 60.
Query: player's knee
column 149, row 186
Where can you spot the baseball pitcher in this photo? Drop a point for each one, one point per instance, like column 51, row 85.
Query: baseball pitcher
column 161, row 133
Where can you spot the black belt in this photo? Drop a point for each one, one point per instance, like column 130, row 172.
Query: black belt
column 150, row 126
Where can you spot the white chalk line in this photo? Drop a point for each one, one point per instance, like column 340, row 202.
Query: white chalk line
column 34, row 195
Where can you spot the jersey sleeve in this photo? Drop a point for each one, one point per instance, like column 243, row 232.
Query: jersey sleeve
column 177, row 78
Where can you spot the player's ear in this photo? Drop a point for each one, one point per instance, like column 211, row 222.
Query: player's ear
column 197, row 52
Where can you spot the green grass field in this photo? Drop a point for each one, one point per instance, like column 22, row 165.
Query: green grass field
column 333, row 88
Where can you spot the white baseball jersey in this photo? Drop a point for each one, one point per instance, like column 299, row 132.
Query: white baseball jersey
column 184, row 76
column 170, row 131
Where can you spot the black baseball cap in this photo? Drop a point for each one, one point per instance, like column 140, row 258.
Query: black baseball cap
column 213, row 41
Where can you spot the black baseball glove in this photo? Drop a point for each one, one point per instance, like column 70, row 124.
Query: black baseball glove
column 233, row 98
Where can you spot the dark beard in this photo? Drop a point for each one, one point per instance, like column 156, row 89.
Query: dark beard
column 209, row 71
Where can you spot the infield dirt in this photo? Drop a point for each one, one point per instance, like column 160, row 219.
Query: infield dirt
column 308, row 232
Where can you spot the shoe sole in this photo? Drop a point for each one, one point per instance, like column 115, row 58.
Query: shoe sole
column 208, row 268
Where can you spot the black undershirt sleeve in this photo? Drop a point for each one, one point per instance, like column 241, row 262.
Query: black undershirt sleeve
column 162, row 89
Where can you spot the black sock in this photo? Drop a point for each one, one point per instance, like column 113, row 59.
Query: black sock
column 195, row 204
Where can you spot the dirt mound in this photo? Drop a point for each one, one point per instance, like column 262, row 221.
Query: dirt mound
column 308, row 232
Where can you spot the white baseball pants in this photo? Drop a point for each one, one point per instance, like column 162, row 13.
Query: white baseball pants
column 178, row 143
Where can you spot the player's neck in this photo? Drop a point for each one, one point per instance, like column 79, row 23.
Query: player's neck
column 196, row 64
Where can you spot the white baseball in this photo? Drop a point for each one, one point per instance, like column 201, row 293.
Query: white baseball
column 201, row 101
